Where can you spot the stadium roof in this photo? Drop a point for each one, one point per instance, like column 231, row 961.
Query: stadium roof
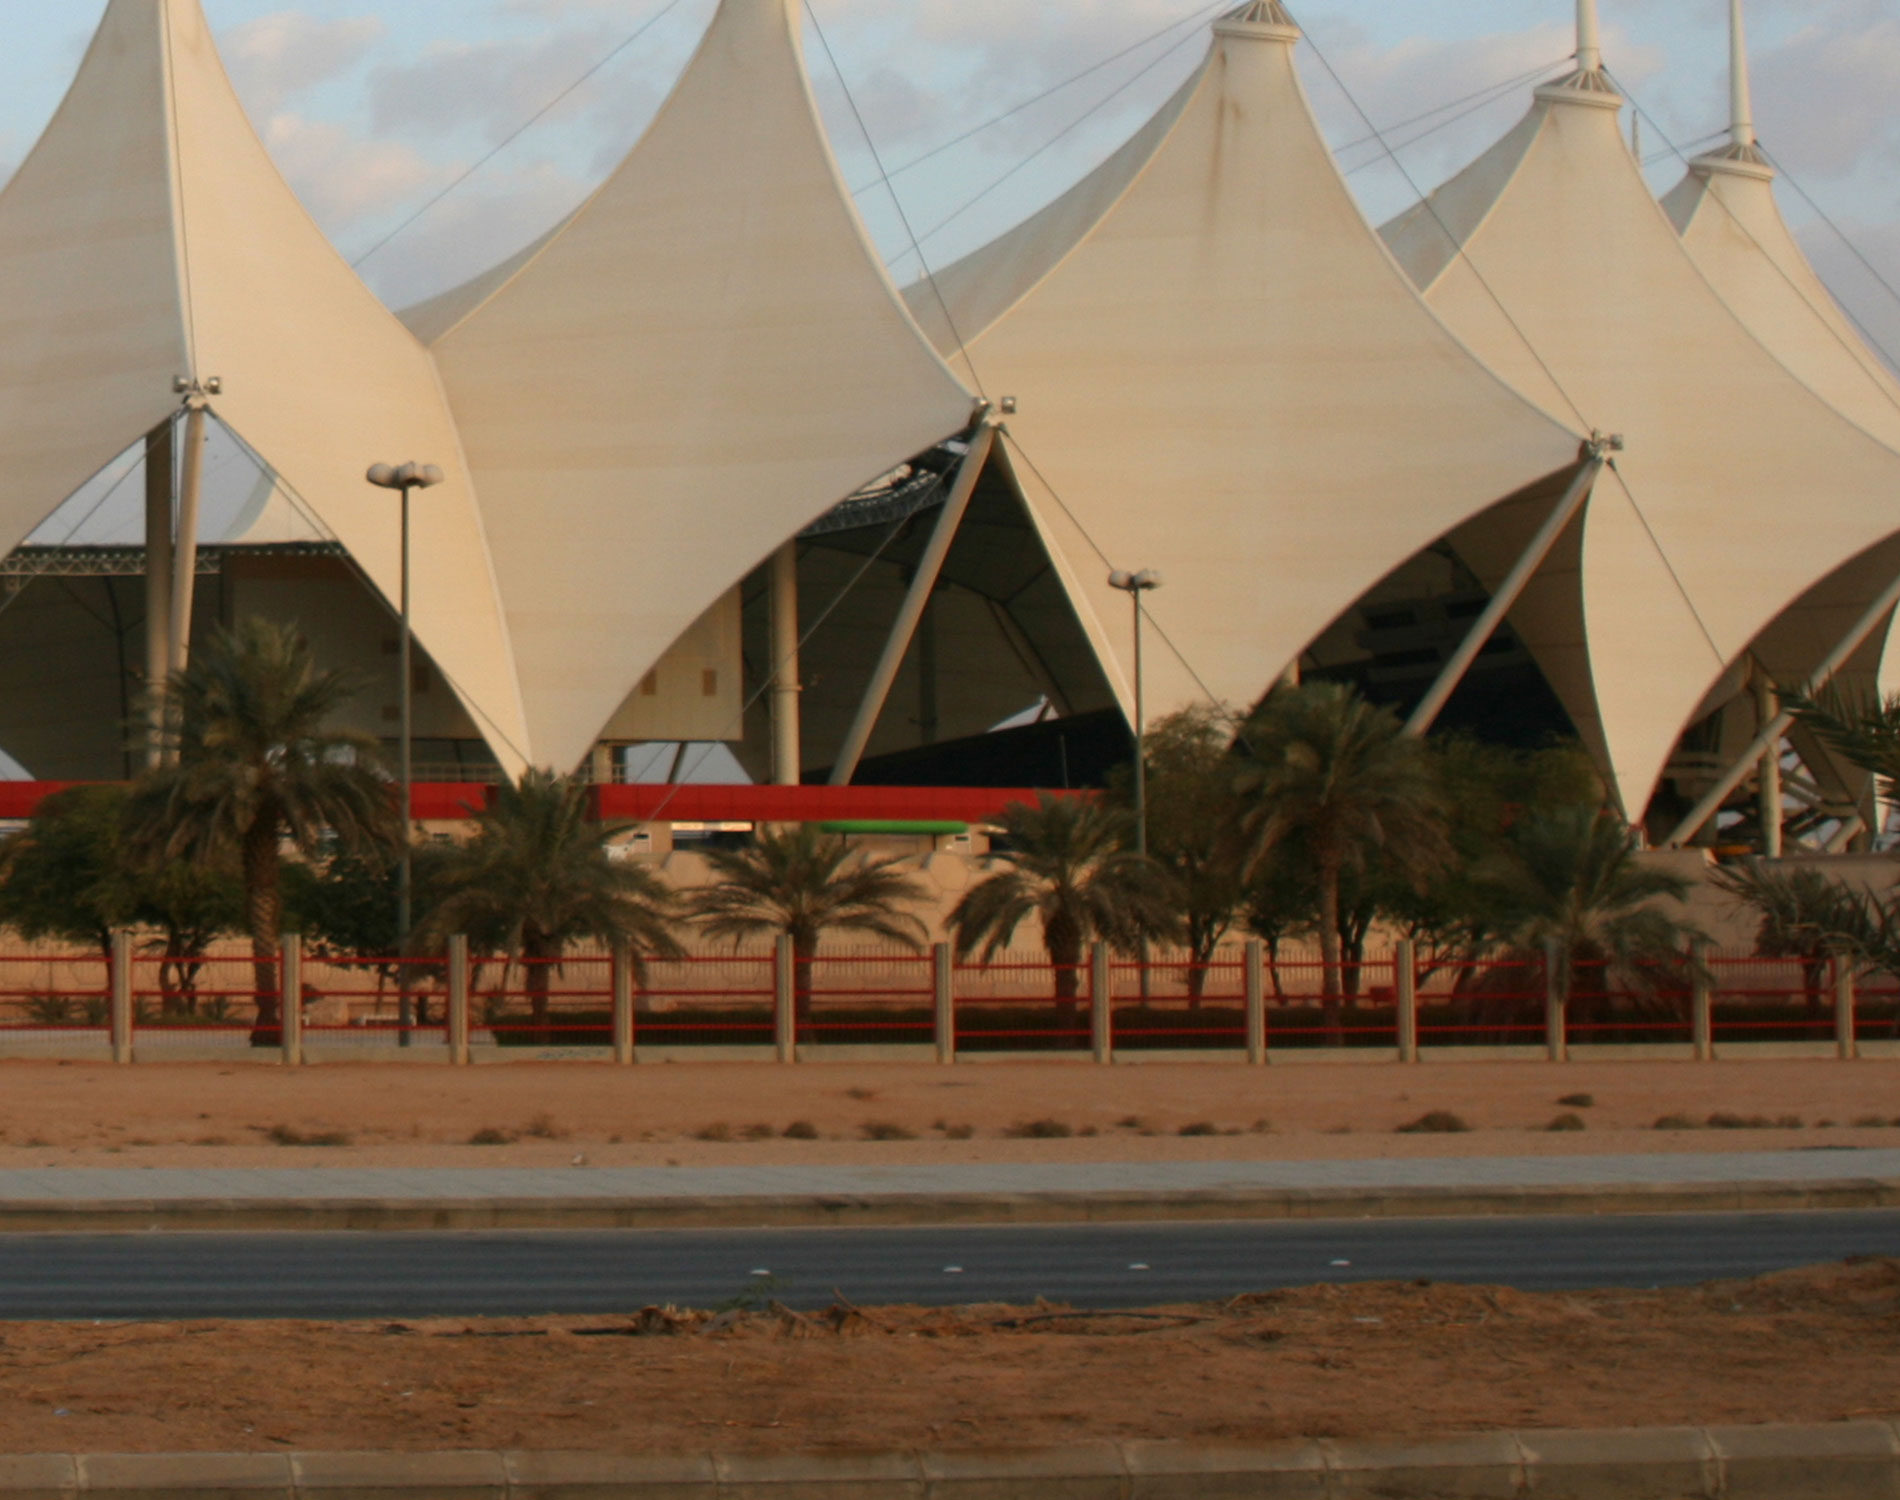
column 149, row 239
column 1223, row 375
column 1554, row 262
column 702, row 361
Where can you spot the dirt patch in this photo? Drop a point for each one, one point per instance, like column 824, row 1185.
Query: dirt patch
column 1379, row 1359
column 707, row 1114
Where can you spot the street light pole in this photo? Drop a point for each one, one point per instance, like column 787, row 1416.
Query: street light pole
column 1135, row 585
column 408, row 478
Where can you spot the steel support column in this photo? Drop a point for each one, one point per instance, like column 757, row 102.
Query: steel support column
column 159, row 481
column 916, row 601
column 185, row 556
column 1767, row 707
column 787, row 762
column 1511, row 590
column 1771, row 734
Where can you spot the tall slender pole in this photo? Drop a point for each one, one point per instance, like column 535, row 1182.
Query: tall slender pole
column 1141, row 738
column 408, row 479
column 1741, row 101
column 405, row 871
column 1589, row 37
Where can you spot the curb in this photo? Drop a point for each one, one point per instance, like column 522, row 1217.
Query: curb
column 1843, row 1461
column 127, row 1216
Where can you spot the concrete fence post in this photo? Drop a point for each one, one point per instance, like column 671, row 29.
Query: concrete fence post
column 624, row 1039
column 785, row 1000
column 122, row 985
column 290, row 998
column 458, row 1001
column 1405, row 966
column 1702, row 1002
column 1256, row 966
column 1102, row 1003
column 1556, row 1022
column 943, row 993
column 1846, row 1037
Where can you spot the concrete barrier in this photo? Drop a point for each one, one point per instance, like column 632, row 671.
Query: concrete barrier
column 362, row 1215
column 1842, row 1461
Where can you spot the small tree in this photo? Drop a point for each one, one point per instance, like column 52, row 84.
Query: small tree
column 1194, row 828
column 800, row 884
column 62, row 876
column 1066, row 862
column 538, row 877
column 72, row 875
column 1337, row 778
column 346, row 906
column 1574, row 888
column 256, row 764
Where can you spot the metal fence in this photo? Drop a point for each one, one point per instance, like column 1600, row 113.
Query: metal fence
column 1246, row 1002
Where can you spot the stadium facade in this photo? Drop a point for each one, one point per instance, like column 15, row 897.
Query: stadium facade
column 1543, row 456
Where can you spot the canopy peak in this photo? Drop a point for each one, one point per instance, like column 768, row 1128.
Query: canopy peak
column 1590, row 81
column 1268, row 20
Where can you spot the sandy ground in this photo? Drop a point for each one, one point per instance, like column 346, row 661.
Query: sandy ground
column 1376, row 1360
column 712, row 1114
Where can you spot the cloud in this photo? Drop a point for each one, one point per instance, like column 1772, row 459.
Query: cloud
column 342, row 178
column 1848, row 54
column 276, row 57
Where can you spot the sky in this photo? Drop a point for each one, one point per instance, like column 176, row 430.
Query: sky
column 400, row 122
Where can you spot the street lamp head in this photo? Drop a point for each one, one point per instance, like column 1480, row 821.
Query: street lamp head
column 408, row 477
column 1148, row 580
column 1144, row 582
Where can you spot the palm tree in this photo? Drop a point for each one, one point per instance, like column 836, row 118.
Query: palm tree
column 1574, row 888
column 1862, row 728
column 1806, row 916
column 800, row 884
column 1066, row 861
column 1338, row 780
column 253, row 764
column 537, row 877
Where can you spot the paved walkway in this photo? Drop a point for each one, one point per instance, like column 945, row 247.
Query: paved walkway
column 78, row 1185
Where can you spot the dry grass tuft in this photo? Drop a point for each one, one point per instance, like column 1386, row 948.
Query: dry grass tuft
column 289, row 1135
column 1436, row 1122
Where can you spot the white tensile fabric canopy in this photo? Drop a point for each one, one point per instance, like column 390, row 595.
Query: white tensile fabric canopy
column 706, row 358
column 148, row 237
column 1223, row 375
column 1733, row 228
column 1554, row 262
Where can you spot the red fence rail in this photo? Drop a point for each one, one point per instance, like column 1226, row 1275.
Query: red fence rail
column 1241, row 1001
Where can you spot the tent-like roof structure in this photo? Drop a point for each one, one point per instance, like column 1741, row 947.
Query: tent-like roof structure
column 1223, row 375
column 148, row 238
column 700, row 362
column 1726, row 212
column 1725, row 209
column 1554, row 262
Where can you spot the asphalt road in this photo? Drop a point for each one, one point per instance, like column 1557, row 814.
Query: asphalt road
column 397, row 1276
